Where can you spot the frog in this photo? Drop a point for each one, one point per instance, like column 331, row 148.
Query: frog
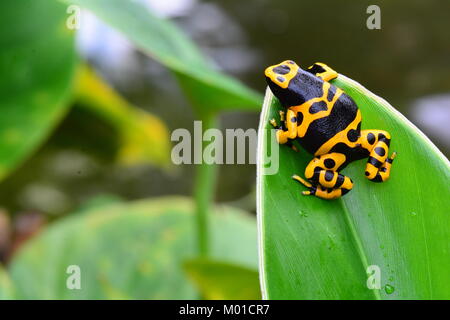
column 326, row 122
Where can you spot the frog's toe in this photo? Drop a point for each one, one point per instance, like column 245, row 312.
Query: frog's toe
column 273, row 122
column 393, row 156
column 302, row 181
column 310, row 192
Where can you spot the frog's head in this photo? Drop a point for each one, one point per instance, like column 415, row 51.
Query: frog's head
column 279, row 78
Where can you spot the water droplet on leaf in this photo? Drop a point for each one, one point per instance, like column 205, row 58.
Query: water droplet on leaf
column 389, row 289
column 303, row 214
column 331, row 243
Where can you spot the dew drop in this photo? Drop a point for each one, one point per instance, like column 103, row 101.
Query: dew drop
column 389, row 289
column 303, row 214
column 331, row 243
column 413, row 213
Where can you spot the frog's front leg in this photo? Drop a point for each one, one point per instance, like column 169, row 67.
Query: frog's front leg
column 324, row 180
column 322, row 71
column 378, row 168
column 288, row 127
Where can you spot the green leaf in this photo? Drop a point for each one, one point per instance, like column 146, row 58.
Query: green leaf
column 144, row 137
column 223, row 281
column 37, row 63
column 6, row 287
column 317, row 249
column 209, row 90
column 129, row 250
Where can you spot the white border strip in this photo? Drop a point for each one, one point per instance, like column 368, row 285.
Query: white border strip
column 259, row 190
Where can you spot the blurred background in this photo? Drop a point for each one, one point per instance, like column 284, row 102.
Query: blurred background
column 406, row 62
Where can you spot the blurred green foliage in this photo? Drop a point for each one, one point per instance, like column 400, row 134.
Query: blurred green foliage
column 218, row 280
column 6, row 287
column 143, row 137
column 124, row 250
column 131, row 250
column 208, row 89
column 37, row 63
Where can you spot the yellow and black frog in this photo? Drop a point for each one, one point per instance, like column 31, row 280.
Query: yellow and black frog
column 326, row 122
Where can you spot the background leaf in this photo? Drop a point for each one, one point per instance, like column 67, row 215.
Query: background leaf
column 164, row 42
column 6, row 288
column 37, row 64
column 144, row 137
column 223, row 281
column 126, row 251
column 317, row 249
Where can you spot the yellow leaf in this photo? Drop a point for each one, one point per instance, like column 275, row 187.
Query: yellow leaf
column 144, row 137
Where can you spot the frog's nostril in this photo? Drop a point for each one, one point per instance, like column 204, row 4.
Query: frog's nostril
column 283, row 69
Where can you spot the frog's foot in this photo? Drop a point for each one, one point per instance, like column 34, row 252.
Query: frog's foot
column 378, row 168
column 321, row 191
column 323, row 179
column 326, row 193
column 311, row 189
column 325, row 184
column 302, row 181
column 329, row 184
column 274, row 123
column 385, row 170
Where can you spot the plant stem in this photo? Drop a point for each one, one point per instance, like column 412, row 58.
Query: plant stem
column 205, row 180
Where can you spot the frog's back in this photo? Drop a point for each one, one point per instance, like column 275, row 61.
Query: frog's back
column 325, row 115
column 341, row 112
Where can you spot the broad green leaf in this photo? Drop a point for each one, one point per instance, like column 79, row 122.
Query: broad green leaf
column 163, row 41
column 98, row 201
column 317, row 249
column 144, row 137
column 37, row 64
column 129, row 250
column 223, row 281
column 6, row 287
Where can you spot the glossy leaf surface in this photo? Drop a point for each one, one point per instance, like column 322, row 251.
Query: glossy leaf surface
column 317, row 249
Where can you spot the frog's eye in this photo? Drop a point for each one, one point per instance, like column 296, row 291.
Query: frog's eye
column 280, row 75
column 282, row 69
column 290, row 62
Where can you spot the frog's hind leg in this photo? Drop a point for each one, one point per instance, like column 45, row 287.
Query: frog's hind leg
column 377, row 142
column 324, row 181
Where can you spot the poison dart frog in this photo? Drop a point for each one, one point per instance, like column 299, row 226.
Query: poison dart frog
column 326, row 122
